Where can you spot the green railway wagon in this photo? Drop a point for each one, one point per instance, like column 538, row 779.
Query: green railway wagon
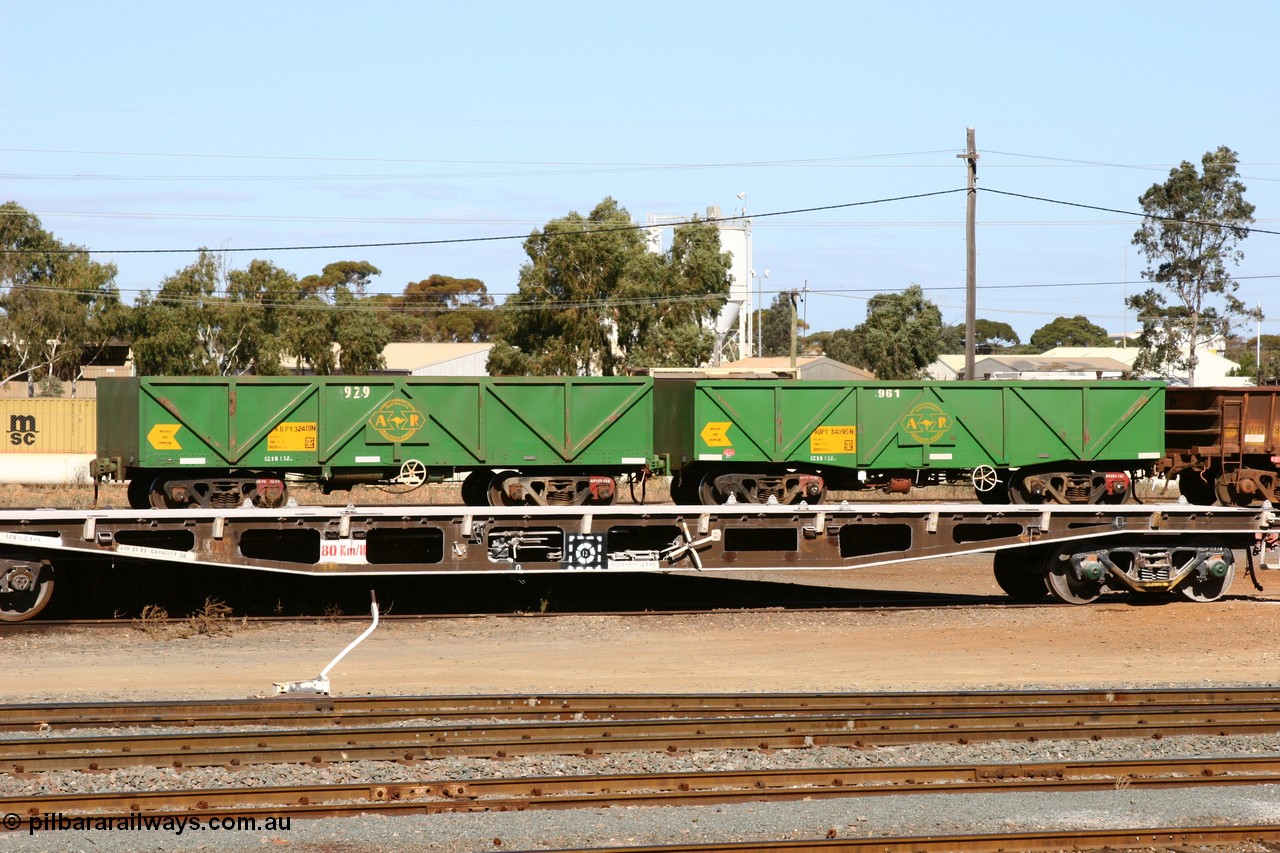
column 219, row 441
column 1021, row 442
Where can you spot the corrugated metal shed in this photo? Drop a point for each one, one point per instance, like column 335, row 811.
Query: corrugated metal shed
column 807, row 367
column 437, row 359
column 1048, row 367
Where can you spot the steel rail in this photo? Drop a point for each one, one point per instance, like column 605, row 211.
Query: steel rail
column 662, row 789
column 1075, row 840
column 302, row 710
column 407, row 743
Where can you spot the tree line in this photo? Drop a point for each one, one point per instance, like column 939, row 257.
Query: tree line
column 593, row 298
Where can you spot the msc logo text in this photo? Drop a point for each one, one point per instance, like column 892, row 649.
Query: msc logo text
column 22, row 430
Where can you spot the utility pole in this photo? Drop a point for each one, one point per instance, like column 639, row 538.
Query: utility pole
column 971, row 257
column 794, row 331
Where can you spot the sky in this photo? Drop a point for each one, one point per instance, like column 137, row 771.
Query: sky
column 145, row 131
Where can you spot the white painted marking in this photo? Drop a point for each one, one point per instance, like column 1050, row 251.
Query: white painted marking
column 158, row 553
column 634, row 565
column 30, row 539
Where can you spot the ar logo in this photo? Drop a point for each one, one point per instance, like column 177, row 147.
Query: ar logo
column 396, row 420
column 926, row 423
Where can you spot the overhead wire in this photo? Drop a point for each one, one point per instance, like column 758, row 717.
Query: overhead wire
column 565, row 305
column 491, row 239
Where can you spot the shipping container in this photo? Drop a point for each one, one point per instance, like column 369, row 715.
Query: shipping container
column 48, row 425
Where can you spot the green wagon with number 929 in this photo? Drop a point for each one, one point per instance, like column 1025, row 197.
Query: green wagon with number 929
column 221, row 441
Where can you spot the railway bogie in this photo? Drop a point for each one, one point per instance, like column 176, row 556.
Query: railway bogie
column 1199, row 569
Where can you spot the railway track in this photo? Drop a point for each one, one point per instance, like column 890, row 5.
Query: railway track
column 1174, row 838
column 661, row 730
column 302, row 710
column 318, row 731
column 659, row 789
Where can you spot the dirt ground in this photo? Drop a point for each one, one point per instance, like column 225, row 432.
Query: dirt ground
column 1119, row 641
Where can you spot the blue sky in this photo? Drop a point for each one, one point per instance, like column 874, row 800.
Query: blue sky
column 236, row 125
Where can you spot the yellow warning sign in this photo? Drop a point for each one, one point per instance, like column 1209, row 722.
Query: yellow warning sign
column 716, row 434
column 293, row 435
column 165, row 436
column 833, row 439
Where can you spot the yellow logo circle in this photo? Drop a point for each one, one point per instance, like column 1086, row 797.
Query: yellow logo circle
column 396, row 420
column 926, row 423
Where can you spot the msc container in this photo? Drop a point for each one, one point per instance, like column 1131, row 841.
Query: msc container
column 48, row 425
column 840, row 428
column 371, row 427
column 47, row 441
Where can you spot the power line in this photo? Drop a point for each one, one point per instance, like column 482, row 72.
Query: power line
column 861, row 294
column 1127, row 212
column 594, row 164
column 459, row 240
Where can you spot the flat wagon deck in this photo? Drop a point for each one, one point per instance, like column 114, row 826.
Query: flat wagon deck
column 1071, row 553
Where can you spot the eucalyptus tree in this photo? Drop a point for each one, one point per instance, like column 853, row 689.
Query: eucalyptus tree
column 443, row 309
column 1077, row 331
column 59, row 308
column 1191, row 233
column 593, row 299
column 901, row 336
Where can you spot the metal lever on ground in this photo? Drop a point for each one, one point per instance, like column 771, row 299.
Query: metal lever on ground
column 320, row 684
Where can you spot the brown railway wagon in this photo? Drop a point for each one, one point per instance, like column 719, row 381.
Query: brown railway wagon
column 1223, row 444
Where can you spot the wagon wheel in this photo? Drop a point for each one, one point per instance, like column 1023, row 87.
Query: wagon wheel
column 709, row 493
column 1019, row 494
column 139, row 490
column 1065, row 586
column 681, row 493
column 475, row 488
column 1023, row 586
column 1196, row 487
column 1230, row 495
column 159, row 495
column 20, row 606
column 1211, row 588
column 497, row 492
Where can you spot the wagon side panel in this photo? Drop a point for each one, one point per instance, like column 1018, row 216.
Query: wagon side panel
column 579, row 422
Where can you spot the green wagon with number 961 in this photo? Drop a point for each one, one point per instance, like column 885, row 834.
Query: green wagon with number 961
column 1021, row 442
